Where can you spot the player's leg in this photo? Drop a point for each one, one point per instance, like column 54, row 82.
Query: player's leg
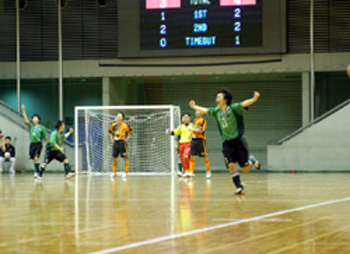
column 187, row 159
column 115, row 154
column 229, row 150
column 34, row 153
column 49, row 156
column 2, row 159
column 203, row 154
column 246, row 163
column 12, row 167
column 125, row 156
column 193, row 154
column 67, row 167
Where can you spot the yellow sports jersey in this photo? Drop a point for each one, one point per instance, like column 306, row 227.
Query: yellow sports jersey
column 120, row 131
column 201, row 124
column 183, row 131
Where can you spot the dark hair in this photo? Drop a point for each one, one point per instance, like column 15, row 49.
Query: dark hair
column 8, row 137
column 36, row 115
column 227, row 95
column 186, row 114
column 58, row 124
column 123, row 115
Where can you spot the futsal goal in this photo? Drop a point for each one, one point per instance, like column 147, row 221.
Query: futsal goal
column 150, row 148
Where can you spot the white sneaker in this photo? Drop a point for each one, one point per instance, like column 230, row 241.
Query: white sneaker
column 240, row 191
column 256, row 163
column 187, row 174
column 70, row 175
column 36, row 174
column 125, row 175
column 113, row 175
column 179, row 174
column 39, row 177
column 208, row 175
column 12, row 171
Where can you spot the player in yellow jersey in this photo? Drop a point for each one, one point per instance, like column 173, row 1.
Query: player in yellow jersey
column 198, row 145
column 185, row 142
column 120, row 132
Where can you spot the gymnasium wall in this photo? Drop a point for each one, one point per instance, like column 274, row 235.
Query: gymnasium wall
column 324, row 146
column 41, row 96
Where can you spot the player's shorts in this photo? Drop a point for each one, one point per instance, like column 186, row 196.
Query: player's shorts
column 120, row 147
column 236, row 150
column 35, row 150
column 54, row 155
column 198, row 147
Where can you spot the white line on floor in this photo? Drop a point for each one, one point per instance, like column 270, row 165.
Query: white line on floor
column 174, row 236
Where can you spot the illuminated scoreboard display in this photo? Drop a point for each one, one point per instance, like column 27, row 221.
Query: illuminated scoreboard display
column 161, row 28
column 180, row 24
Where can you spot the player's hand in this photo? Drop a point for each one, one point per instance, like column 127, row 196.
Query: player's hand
column 71, row 130
column 192, row 104
column 256, row 95
column 23, row 108
column 176, row 147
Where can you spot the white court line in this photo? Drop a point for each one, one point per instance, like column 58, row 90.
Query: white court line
column 170, row 237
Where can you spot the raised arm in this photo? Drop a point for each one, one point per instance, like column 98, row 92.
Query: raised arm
column 198, row 108
column 25, row 117
column 251, row 101
column 68, row 133
column 3, row 148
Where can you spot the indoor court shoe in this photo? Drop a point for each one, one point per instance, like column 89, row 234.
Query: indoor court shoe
column 40, row 177
column 240, row 191
column 179, row 174
column 255, row 162
column 113, row 175
column 70, row 175
column 36, row 174
column 125, row 175
column 12, row 171
column 208, row 175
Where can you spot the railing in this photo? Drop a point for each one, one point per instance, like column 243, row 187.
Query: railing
column 17, row 118
column 318, row 119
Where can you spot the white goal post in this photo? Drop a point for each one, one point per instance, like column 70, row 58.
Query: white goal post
column 150, row 148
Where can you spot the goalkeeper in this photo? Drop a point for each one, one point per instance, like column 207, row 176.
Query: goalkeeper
column 185, row 142
column 120, row 132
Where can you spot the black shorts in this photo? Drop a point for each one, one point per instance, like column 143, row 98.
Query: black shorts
column 236, row 150
column 198, row 147
column 35, row 150
column 120, row 147
column 54, row 155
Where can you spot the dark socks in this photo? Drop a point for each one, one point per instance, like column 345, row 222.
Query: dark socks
column 36, row 167
column 66, row 168
column 42, row 169
column 237, row 180
column 180, row 166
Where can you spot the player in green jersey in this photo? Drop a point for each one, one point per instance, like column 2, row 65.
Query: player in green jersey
column 231, row 126
column 54, row 149
column 37, row 135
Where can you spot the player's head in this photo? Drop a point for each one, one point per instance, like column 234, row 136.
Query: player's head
column 59, row 125
column 223, row 97
column 36, row 119
column 120, row 117
column 199, row 114
column 8, row 140
column 186, row 118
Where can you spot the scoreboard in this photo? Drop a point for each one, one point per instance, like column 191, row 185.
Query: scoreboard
column 171, row 24
column 159, row 28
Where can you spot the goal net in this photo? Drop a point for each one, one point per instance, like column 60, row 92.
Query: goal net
column 150, row 148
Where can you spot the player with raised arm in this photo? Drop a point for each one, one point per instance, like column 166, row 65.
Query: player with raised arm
column 120, row 132
column 37, row 135
column 198, row 145
column 54, row 149
column 185, row 142
column 230, row 122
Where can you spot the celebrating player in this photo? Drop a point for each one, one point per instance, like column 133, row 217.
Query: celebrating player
column 231, row 127
column 54, row 149
column 185, row 142
column 120, row 132
column 198, row 145
column 37, row 134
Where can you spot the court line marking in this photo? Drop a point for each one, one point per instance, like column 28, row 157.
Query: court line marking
column 179, row 235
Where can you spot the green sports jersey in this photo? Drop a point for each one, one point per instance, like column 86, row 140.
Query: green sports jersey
column 56, row 138
column 37, row 133
column 230, row 122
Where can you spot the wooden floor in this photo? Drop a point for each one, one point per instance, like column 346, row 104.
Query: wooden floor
column 280, row 213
